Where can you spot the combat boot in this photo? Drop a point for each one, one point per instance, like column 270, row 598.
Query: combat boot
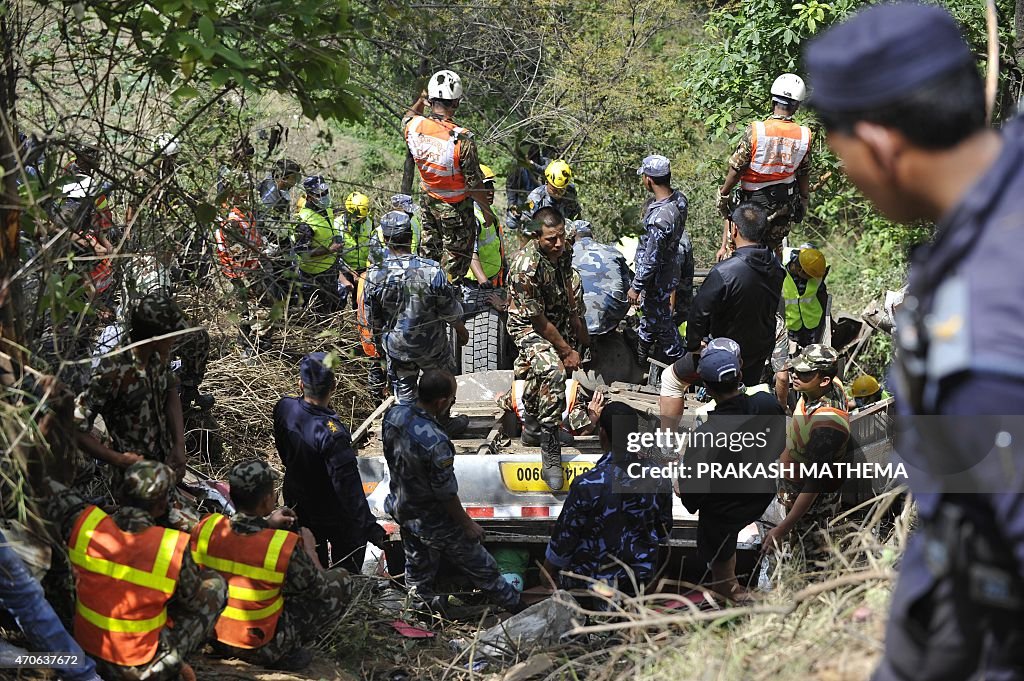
column 453, row 425
column 190, row 395
column 551, row 458
column 531, row 431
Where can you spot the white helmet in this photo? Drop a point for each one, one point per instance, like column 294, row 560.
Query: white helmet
column 789, row 86
column 166, row 144
column 444, row 85
column 79, row 189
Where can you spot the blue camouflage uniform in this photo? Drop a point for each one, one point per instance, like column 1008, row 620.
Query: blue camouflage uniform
column 605, row 278
column 568, row 206
column 959, row 378
column 410, row 304
column 657, row 273
column 610, row 527
column 421, row 461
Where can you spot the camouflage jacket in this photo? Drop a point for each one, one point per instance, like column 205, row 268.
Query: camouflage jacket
column 539, row 286
column 409, row 304
column 606, row 519
column 657, row 255
column 605, row 278
column 568, row 206
column 740, row 159
column 132, row 398
column 302, row 577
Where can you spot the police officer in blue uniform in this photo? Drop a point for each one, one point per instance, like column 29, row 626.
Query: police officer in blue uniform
column 321, row 481
column 424, row 497
column 899, row 94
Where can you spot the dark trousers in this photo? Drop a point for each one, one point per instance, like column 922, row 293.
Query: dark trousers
column 335, row 547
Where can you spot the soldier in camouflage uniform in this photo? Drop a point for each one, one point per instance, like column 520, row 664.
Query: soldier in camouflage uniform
column 657, row 262
column 410, row 305
column 424, row 498
column 199, row 595
column 545, row 320
column 605, row 279
column 818, row 434
column 611, row 523
column 313, row 599
column 446, row 155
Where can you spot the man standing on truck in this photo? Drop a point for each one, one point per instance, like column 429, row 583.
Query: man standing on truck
column 899, row 94
column 446, row 156
column 546, row 324
column 424, row 498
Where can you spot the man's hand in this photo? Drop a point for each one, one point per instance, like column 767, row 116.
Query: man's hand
column 497, row 302
column 128, row 458
column 570, row 360
column 773, row 540
column 721, row 254
column 595, row 407
column 379, row 537
column 473, row 531
column 724, row 205
column 282, row 519
column 462, row 334
column 633, row 296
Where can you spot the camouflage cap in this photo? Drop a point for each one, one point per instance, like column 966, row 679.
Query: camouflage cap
column 582, row 228
column 815, row 358
column 147, row 481
column 250, row 476
column 159, row 311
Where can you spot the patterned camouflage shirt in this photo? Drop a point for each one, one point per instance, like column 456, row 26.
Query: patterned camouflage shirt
column 131, row 397
column 302, row 578
column 541, row 287
column 605, row 279
column 740, row 159
column 410, row 303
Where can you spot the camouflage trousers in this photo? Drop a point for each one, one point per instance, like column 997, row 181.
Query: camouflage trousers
column 449, row 234
column 657, row 325
column 423, row 552
column 404, row 376
column 544, row 391
column 810, row 534
column 189, row 632
column 255, row 326
column 302, row 619
column 193, row 351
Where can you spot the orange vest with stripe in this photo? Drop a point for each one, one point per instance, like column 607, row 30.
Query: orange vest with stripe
column 124, row 581
column 101, row 276
column 235, row 252
column 254, row 566
column 804, row 423
column 777, row 149
column 363, row 320
column 435, row 146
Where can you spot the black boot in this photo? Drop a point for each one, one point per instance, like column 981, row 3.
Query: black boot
column 643, row 353
column 551, row 458
column 454, row 425
column 531, row 431
column 190, row 395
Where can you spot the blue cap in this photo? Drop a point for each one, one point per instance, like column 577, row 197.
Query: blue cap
column 395, row 224
column 313, row 372
column 880, row 54
column 583, row 228
column 654, row 165
column 402, row 202
column 718, row 365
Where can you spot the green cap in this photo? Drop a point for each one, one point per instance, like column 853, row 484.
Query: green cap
column 147, row 481
column 250, row 476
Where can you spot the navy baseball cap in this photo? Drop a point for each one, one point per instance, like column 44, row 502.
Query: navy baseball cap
column 313, row 371
column 881, row 53
column 718, row 365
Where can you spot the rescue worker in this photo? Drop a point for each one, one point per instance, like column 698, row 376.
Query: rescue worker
column 605, row 278
column 446, row 156
column 865, row 391
column 239, row 247
column 818, row 434
column 526, row 175
column 317, row 246
column 410, row 305
column 612, row 520
column 899, row 94
column 275, row 189
column 321, row 481
column 740, row 296
column 545, row 321
column 278, row 599
column 724, row 507
column 85, row 166
column 424, row 498
column 557, row 192
column 355, row 226
column 488, row 264
column 805, row 296
column 657, row 264
column 143, row 605
column 772, row 166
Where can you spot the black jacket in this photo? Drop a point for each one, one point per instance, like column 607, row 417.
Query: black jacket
column 738, row 300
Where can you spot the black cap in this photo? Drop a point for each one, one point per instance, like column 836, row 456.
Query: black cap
column 881, row 53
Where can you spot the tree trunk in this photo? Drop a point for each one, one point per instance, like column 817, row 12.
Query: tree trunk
column 11, row 324
column 409, row 171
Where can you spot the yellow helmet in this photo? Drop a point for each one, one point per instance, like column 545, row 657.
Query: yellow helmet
column 357, row 204
column 812, row 262
column 864, row 385
column 487, row 173
column 558, row 174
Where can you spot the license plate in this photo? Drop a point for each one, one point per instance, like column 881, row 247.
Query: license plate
column 529, row 477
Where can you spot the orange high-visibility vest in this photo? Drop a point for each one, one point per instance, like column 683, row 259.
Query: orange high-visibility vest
column 103, row 217
column 254, row 566
column 235, row 253
column 572, row 390
column 804, row 423
column 124, row 581
column 363, row 320
column 778, row 147
column 101, row 276
column 435, row 146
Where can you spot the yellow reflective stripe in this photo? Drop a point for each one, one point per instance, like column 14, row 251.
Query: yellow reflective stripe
column 153, row 580
column 246, row 594
column 203, row 542
column 250, row 615
column 121, row 626
column 274, row 550
column 267, row 574
column 85, row 530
